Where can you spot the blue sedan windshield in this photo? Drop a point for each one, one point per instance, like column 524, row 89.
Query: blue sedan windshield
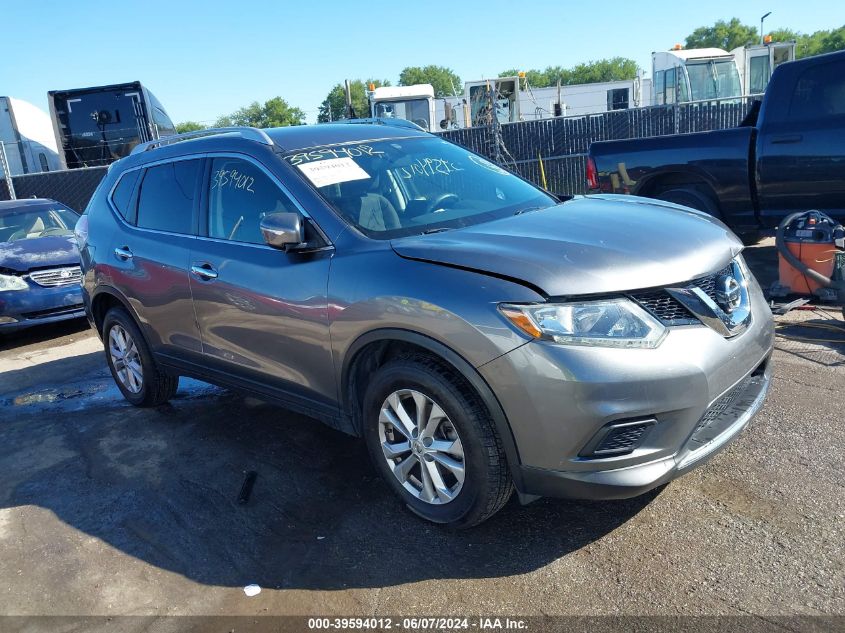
column 36, row 221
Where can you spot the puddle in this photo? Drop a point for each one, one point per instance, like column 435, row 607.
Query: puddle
column 74, row 398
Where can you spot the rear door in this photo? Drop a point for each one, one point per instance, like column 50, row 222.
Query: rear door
column 262, row 312
column 151, row 251
column 801, row 155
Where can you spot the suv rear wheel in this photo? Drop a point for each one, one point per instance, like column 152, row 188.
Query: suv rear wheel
column 132, row 366
column 433, row 441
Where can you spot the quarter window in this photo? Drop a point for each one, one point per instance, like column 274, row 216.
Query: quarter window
column 166, row 200
column 240, row 195
column 820, row 92
column 122, row 195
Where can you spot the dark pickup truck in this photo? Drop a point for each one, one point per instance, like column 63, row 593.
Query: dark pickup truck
column 788, row 155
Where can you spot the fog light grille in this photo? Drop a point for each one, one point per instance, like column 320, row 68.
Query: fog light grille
column 618, row 439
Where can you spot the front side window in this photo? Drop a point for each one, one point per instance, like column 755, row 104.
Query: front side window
column 166, row 199
column 240, row 195
column 759, row 74
column 397, row 187
column 670, row 86
column 415, row 110
column 658, row 87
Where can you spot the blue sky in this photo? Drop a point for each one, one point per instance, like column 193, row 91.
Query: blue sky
column 204, row 59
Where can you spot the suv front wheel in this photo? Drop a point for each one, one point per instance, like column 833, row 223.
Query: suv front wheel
column 433, row 441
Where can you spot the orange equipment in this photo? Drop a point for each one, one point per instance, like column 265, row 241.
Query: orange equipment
column 809, row 243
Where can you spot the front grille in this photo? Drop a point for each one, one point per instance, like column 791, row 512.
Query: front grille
column 618, row 439
column 670, row 311
column 38, row 314
column 55, row 277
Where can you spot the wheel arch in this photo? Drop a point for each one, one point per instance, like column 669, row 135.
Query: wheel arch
column 373, row 349
column 104, row 300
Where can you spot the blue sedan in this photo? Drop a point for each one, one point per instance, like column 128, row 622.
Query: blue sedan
column 39, row 264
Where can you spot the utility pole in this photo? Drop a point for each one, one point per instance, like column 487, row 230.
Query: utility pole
column 350, row 111
column 761, row 26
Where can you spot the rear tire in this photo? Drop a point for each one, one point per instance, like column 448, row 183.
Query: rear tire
column 135, row 373
column 692, row 198
column 453, row 434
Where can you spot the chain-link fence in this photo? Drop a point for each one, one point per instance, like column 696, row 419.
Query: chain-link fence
column 73, row 187
column 562, row 143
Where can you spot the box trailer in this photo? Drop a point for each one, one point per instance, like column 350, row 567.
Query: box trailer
column 98, row 125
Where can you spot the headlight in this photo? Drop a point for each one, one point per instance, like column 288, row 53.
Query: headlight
column 11, row 282
column 605, row 323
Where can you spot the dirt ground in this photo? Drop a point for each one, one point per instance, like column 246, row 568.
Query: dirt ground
column 110, row 510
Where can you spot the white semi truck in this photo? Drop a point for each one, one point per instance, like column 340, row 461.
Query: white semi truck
column 704, row 74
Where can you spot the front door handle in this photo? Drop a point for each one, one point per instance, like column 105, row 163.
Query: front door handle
column 204, row 271
column 123, row 253
column 785, row 140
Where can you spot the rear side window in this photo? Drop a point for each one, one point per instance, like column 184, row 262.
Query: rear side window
column 166, row 199
column 819, row 93
column 122, row 196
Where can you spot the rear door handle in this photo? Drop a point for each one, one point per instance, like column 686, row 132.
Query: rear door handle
column 784, row 140
column 204, row 271
column 123, row 253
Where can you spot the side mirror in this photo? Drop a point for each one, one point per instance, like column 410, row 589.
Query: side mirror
column 282, row 230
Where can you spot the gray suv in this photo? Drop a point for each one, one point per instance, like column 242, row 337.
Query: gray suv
column 480, row 334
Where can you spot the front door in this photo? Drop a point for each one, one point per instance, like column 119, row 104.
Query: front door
column 262, row 312
column 802, row 157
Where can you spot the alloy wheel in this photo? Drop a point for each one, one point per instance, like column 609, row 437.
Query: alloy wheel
column 125, row 359
column 421, row 446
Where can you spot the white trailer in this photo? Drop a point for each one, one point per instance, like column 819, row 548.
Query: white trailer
column 27, row 136
column 413, row 103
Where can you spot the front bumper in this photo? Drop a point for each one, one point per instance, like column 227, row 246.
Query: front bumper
column 37, row 306
column 697, row 388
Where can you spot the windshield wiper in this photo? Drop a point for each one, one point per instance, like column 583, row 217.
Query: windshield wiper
column 529, row 209
column 438, row 229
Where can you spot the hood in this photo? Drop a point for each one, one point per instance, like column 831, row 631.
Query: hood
column 592, row 245
column 38, row 252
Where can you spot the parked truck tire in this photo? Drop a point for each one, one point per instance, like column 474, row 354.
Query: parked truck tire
column 693, row 198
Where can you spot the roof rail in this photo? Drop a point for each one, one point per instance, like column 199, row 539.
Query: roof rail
column 382, row 121
column 251, row 133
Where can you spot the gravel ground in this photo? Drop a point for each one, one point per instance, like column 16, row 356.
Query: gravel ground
column 110, row 510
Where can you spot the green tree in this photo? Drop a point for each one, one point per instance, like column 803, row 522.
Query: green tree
column 275, row 112
column 333, row 106
column 724, row 35
column 812, row 44
column 613, row 69
column 189, row 126
column 444, row 80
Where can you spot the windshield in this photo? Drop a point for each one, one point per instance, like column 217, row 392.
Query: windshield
column 713, row 80
column 402, row 187
column 36, row 221
column 415, row 110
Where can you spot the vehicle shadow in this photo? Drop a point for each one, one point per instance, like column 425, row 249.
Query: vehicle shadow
column 42, row 333
column 162, row 486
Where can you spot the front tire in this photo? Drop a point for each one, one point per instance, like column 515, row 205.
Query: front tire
column 131, row 364
column 432, row 439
